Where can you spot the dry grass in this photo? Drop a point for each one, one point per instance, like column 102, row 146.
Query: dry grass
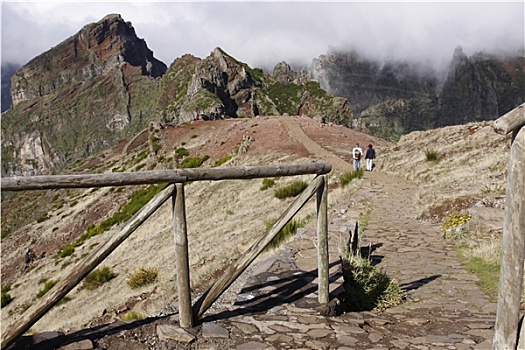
column 466, row 169
column 225, row 212
column 488, row 250
column 142, row 277
column 468, row 176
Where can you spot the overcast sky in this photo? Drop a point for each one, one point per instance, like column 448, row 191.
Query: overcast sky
column 265, row 33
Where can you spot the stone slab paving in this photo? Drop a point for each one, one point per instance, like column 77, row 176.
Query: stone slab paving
column 444, row 308
column 277, row 307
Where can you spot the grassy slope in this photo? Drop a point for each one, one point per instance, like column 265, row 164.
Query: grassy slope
column 224, row 219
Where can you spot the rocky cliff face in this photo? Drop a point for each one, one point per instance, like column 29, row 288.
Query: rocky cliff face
column 79, row 97
column 217, row 86
column 366, row 82
column 96, row 50
column 482, row 87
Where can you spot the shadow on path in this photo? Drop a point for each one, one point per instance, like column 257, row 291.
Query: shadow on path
column 418, row 283
column 54, row 340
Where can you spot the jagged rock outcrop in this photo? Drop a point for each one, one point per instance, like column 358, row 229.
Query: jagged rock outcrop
column 103, row 85
column 83, row 95
column 283, row 73
column 482, row 87
column 97, row 49
column 219, row 86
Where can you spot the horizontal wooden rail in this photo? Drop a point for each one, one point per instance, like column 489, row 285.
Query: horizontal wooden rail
column 45, row 182
column 511, row 121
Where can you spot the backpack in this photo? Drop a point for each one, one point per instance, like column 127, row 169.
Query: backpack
column 357, row 154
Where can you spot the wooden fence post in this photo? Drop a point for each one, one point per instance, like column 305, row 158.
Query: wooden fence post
column 512, row 249
column 322, row 242
column 182, row 260
column 59, row 290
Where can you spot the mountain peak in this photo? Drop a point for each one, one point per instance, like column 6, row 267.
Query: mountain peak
column 97, row 48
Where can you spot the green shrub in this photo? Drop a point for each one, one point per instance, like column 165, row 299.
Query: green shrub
column 130, row 316
column 293, row 189
column 346, row 178
column 267, row 183
column 193, row 162
column 98, row 277
column 366, row 288
column 140, row 157
column 48, row 284
column 66, row 251
column 6, row 298
column 222, row 160
column 42, row 218
column 431, row 155
column 287, row 231
column 181, row 152
column 142, row 277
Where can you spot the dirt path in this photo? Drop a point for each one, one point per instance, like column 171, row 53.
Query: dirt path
column 296, row 133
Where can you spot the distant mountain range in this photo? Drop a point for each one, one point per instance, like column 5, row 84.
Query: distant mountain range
column 394, row 98
column 103, row 85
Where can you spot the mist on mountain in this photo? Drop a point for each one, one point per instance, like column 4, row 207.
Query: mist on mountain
column 8, row 69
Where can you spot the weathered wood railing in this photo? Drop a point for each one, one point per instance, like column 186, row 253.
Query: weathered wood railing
column 176, row 178
column 506, row 331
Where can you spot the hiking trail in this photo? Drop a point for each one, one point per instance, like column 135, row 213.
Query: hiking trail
column 274, row 304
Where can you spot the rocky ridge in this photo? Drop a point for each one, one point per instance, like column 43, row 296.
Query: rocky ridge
column 103, row 85
column 79, row 97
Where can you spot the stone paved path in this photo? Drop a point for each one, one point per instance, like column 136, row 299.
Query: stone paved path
column 277, row 306
column 444, row 308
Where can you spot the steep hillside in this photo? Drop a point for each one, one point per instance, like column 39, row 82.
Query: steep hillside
column 103, row 85
column 219, row 86
column 232, row 213
column 470, row 169
column 224, row 218
column 81, row 96
column 481, row 87
column 366, row 82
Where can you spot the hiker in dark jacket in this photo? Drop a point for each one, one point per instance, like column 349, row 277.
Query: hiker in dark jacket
column 370, row 156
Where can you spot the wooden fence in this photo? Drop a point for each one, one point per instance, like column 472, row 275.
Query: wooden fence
column 507, row 334
column 188, row 313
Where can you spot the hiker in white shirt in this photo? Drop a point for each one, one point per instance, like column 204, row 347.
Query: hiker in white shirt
column 357, row 153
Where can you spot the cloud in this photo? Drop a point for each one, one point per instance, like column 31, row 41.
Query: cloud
column 265, row 33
